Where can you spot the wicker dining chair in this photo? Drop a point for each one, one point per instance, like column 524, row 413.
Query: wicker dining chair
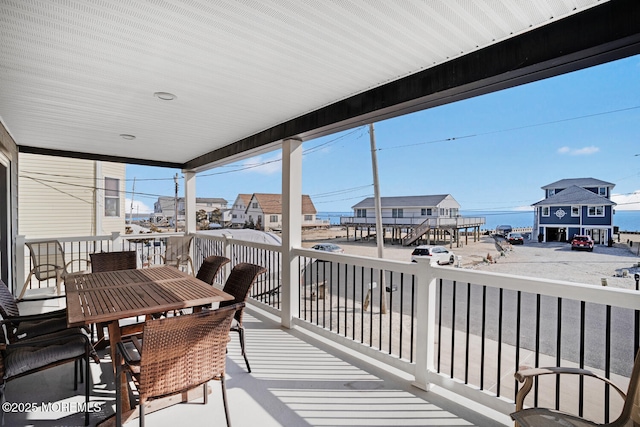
column 48, row 262
column 19, row 326
column 543, row 417
column 113, row 261
column 177, row 354
column 239, row 284
column 32, row 355
column 110, row 261
column 210, row 267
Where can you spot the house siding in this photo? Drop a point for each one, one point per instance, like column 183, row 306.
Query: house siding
column 558, row 219
column 64, row 206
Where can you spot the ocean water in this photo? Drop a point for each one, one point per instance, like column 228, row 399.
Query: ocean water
column 626, row 220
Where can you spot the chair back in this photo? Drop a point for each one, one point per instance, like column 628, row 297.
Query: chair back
column 47, row 258
column 182, row 352
column 210, row 267
column 239, row 284
column 8, row 306
column 113, row 261
column 178, row 249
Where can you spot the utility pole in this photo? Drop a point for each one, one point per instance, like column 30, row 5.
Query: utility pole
column 133, row 193
column 175, row 203
column 378, row 208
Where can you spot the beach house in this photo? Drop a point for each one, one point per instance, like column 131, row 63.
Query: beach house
column 165, row 207
column 411, row 217
column 239, row 210
column 575, row 206
column 264, row 211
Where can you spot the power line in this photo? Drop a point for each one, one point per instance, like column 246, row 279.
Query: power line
column 586, row 116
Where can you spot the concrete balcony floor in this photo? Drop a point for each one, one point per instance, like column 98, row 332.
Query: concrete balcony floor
column 298, row 379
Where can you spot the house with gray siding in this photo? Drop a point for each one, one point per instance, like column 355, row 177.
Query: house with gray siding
column 575, row 206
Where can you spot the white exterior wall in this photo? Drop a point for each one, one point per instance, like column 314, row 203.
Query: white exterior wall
column 238, row 216
column 253, row 213
column 64, row 206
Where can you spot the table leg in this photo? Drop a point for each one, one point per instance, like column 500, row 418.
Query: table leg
column 114, row 337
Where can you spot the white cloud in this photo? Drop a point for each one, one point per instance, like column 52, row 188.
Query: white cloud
column 138, row 207
column 627, row 202
column 585, row 151
column 263, row 165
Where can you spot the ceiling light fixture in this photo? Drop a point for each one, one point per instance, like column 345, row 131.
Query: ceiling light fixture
column 165, row 96
column 127, row 136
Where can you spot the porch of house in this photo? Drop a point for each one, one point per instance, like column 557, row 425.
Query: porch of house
column 297, row 379
column 457, row 332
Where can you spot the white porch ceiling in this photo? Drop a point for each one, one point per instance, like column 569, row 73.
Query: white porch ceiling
column 75, row 74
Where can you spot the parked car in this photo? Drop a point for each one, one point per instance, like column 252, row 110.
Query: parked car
column 515, row 238
column 328, row 247
column 503, row 230
column 439, row 253
column 582, row 242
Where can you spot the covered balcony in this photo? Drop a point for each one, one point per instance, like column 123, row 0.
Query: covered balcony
column 334, row 339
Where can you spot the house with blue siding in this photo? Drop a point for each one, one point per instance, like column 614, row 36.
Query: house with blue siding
column 575, row 206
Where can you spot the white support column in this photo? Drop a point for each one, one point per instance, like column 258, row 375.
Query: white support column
column 189, row 202
column 291, row 227
column 426, row 324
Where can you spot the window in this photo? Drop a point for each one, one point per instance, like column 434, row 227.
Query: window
column 111, row 197
column 273, row 218
column 429, row 211
column 602, row 191
column 308, row 217
column 596, row 210
column 575, row 210
column 441, row 211
column 396, row 213
column 361, row 213
column 255, row 205
column 423, row 212
column 234, row 216
column 545, row 211
column 552, row 191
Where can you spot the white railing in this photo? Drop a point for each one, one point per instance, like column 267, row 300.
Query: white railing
column 434, row 222
column 355, row 300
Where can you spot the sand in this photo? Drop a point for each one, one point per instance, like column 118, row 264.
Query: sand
column 616, row 264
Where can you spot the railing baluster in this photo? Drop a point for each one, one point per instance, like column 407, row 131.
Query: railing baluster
column 607, row 364
column 468, row 334
column 558, row 350
column 453, row 326
column 499, row 361
column 439, row 352
column 518, row 326
column 483, row 338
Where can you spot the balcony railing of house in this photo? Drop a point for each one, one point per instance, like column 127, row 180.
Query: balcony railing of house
column 434, row 222
column 463, row 330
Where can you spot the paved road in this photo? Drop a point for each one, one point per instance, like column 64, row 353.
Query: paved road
column 622, row 325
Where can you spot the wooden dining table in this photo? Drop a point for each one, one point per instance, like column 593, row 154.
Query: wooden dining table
column 109, row 297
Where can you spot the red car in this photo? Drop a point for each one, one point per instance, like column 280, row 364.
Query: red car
column 582, row 242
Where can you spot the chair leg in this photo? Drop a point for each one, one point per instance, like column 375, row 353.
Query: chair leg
column 86, row 387
column 75, row 375
column 224, row 400
column 118, row 390
column 205, row 394
column 141, row 408
column 242, row 348
column 2, row 403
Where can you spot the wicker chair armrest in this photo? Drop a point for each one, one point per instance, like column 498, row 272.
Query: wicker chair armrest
column 129, row 358
column 526, row 376
column 49, row 339
column 33, row 317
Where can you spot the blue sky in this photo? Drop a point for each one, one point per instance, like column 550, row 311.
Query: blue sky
column 492, row 152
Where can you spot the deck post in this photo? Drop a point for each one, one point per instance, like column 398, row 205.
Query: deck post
column 425, row 323
column 189, row 203
column 291, row 227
